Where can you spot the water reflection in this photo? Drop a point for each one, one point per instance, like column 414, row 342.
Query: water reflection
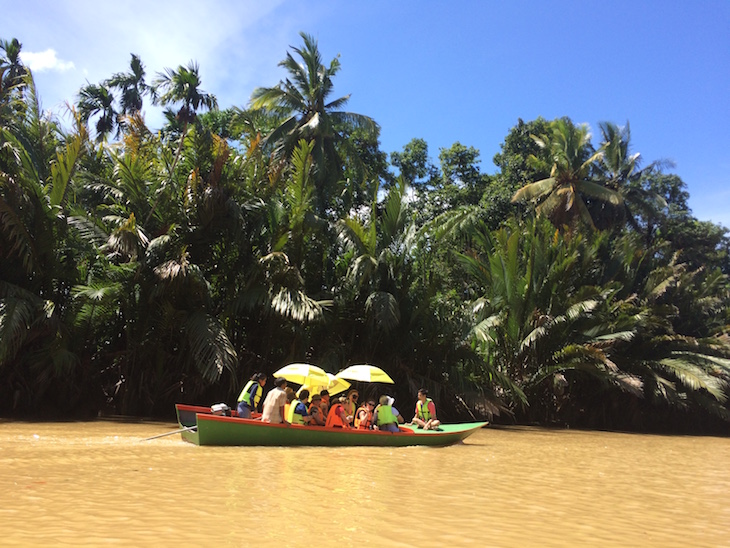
column 97, row 483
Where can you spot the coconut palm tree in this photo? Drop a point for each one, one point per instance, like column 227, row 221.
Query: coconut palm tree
column 304, row 99
column 562, row 196
column 620, row 170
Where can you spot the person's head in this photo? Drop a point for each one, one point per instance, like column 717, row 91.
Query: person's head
column 370, row 404
column 260, row 378
column 353, row 395
column 422, row 394
column 290, row 395
column 280, row 382
column 341, row 399
column 316, row 399
column 304, row 395
column 325, row 395
column 384, row 399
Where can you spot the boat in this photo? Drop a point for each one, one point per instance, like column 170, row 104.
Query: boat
column 199, row 425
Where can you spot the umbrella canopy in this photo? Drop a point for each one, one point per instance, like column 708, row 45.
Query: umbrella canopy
column 365, row 373
column 335, row 386
column 303, row 373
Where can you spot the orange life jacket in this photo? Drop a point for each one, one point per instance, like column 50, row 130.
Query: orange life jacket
column 333, row 418
column 367, row 422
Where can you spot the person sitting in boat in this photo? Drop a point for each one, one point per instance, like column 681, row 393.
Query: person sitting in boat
column 386, row 417
column 325, row 405
column 336, row 416
column 290, row 397
column 364, row 416
column 250, row 396
column 298, row 413
column 315, row 411
column 351, row 405
column 274, row 403
column 425, row 412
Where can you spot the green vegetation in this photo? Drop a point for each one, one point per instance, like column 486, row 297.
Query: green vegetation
column 137, row 269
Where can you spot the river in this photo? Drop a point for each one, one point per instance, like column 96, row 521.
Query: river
column 96, row 483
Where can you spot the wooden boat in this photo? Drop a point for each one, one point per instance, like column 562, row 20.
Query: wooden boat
column 201, row 427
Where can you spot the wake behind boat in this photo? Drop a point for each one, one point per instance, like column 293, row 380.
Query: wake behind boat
column 203, row 427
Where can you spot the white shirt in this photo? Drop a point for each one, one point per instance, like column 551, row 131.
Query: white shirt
column 272, row 406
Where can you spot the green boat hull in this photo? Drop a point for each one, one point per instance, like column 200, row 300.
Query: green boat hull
column 232, row 431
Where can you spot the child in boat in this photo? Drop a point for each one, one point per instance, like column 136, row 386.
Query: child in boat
column 425, row 412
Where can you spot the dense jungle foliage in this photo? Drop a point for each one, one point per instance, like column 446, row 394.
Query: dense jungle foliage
column 140, row 268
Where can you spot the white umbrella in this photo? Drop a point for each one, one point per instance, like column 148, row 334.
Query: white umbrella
column 365, row 373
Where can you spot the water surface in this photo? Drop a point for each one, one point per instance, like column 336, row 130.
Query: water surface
column 96, row 483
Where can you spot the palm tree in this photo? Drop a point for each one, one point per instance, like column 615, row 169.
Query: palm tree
column 181, row 86
column 132, row 87
column 11, row 67
column 98, row 100
column 304, row 99
column 619, row 170
column 562, row 196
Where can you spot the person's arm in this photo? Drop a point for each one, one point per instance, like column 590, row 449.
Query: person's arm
column 432, row 410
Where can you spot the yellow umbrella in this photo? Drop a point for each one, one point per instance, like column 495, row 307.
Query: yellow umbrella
column 303, row 373
column 365, row 373
column 335, row 386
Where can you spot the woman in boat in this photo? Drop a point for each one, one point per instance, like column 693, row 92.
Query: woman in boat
column 425, row 412
column 364, row 416
column 351, row 405
column 387, row 417
column 336, row 417
column 250, row 396
column 298, row 413
column 315, row 411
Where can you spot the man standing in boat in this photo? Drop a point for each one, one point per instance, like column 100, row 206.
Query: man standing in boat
column 274, row 403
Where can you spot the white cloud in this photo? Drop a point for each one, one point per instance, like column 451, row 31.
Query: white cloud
column 45, row 60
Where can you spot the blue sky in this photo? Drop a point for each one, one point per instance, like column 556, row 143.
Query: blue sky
column 442, row 71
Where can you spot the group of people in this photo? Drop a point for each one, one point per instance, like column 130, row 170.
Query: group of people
column 283, row 405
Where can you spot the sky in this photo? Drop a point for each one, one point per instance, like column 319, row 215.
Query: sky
column 441, row 71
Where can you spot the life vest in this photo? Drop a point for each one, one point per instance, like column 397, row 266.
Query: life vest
column 365, row 423
column 386, row 415
column 292, row 416
column 349, row 408
column 422, row 411
column 252, row 391
column 333, row 418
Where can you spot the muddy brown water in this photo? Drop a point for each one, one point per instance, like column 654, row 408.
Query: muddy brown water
column 97, row 484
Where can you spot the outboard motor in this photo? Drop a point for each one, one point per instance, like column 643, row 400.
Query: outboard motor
column 220, row 409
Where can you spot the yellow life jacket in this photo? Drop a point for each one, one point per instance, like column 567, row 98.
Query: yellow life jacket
column 251, row 394
column 386, row 415
column 292, row 416
column 422, row 411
